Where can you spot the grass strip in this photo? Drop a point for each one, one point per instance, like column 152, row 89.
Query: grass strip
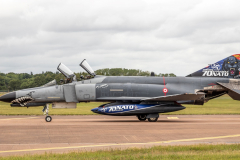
column 201, row 151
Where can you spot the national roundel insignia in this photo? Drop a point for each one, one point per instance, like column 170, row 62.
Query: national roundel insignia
column 165, row 90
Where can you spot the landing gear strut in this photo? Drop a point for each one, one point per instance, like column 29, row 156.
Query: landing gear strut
column 45, row 112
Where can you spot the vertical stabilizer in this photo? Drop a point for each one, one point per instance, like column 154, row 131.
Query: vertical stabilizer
column 226, row 68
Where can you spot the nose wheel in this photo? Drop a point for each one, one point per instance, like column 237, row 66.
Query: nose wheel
column 48, row 118
column 45, row 112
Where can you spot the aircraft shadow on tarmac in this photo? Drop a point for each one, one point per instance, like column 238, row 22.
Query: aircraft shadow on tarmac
column 136, row 121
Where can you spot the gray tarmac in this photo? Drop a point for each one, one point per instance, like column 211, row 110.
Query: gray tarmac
column 21, row 135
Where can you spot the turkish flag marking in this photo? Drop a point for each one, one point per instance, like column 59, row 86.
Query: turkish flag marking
column 165, row 90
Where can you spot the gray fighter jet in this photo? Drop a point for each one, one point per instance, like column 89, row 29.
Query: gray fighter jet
column 144, row 97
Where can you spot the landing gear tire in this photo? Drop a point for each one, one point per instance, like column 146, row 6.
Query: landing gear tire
column 142, row 117
column 152, row 119
column 48, row 118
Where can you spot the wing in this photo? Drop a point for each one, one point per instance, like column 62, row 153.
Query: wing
column 176, row 97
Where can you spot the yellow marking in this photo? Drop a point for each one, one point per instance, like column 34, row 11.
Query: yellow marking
column 172, row 118
column 126, row 138
column 18, row 118
column 117, row 90
column 119, row 144
column 53, row 97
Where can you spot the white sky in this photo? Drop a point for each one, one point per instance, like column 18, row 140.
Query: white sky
column 163, row 36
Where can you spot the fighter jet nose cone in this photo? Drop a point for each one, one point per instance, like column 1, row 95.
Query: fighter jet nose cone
column 8, row 97
column 95, row 110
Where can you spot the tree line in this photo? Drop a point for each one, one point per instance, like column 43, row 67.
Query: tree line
column 14, row 81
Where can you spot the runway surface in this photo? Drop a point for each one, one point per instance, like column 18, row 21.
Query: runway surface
column 31, row 134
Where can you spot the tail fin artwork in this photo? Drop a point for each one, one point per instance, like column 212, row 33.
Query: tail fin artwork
column 226, row 68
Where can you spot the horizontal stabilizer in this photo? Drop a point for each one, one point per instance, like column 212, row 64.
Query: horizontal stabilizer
column 233, row 90
column 177, row 97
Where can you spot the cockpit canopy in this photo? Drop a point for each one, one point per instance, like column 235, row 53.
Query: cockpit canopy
column 67, row 72
column 84, row 64
column 70, row 76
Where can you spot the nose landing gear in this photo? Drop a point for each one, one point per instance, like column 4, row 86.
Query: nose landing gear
column 45, row 112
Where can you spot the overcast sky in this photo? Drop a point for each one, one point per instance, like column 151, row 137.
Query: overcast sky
column 163, row 36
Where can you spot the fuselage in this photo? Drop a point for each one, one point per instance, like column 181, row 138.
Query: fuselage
column 118, row 88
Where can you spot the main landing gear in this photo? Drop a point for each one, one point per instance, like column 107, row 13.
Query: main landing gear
column 153, row 119
column 149, row 117
column 142, row 117
column 45, row 112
